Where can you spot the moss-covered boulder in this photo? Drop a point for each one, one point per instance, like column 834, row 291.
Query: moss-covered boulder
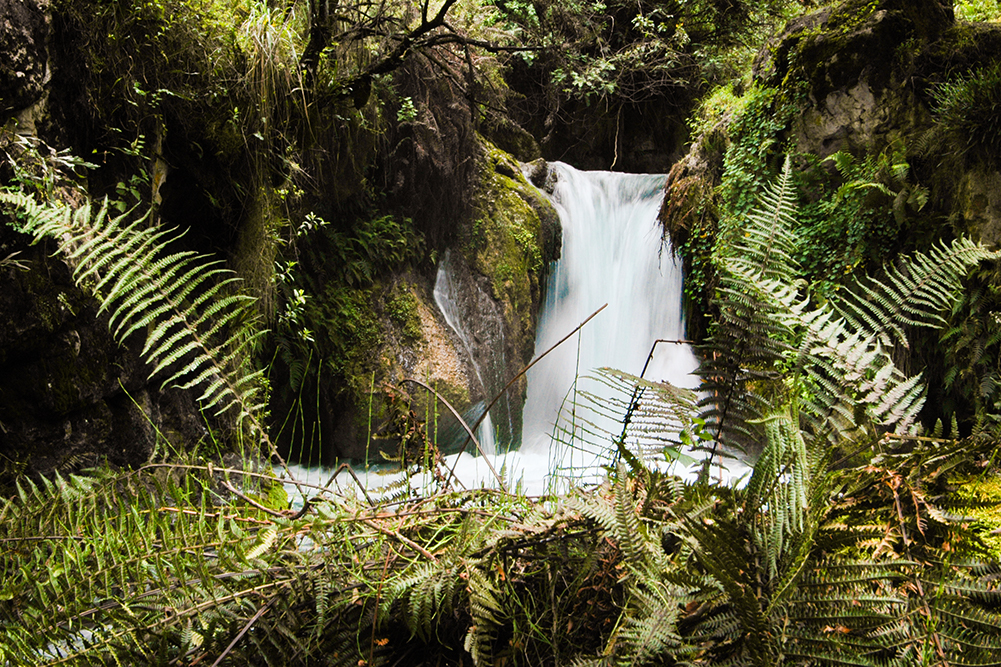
column 902, row 90
column 847, row 67
column 464, row 326
column 868, row 77
column 888, row 109
column 514, row 236
column 381, row 336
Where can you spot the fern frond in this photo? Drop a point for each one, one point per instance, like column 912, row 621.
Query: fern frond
column 646, row 637
column 747, row 344
column 193, row 328
column 915, row 292
column 840, row 350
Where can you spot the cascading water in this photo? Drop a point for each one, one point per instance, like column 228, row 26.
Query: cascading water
column 445, row 298
column 611, row 254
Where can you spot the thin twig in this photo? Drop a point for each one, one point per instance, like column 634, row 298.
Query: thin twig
column 392, row 533
column 253, row 619
column 462, row 421
column 253, row 502
column 451, row 473
column 341, row 468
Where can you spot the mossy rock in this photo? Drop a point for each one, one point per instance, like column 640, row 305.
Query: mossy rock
column 984, row 494
column 373, row 340
column 836, row 46
column 511, row 137
column 375, row 337
column 515, row 235
column 24, row 36
column 70, row 396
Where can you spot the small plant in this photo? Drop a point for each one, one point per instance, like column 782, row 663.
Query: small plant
column 968, row 111
column 978, row 10
column 407, row 112
column 858, row 216
column 36, row 167
column 723, row 102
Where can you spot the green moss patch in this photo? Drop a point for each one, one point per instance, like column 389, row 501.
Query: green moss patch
column 984, row 494
column 510, row 240
column 402, row 309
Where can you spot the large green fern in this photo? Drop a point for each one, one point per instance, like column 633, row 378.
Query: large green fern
column 197, row 327
column 773, row 344
column 779, row 570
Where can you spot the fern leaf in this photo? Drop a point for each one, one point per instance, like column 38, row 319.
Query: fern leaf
column 178, row 297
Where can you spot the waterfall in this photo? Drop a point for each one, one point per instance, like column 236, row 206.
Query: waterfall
column 612, row 254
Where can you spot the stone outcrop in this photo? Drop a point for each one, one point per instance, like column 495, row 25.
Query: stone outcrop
column 24, row 70
column 871, row 82
column 862, row 77
column 854, row 64
column 491, row 283
column 70, row 396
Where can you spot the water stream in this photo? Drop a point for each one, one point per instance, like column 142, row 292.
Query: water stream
column 611, row 254
column 447, row 301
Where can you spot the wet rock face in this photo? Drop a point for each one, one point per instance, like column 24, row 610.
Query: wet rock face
column 851, row 60
column 24, row 33
column 979, row 201
column 465, row 298
column 863, row 76
column 56, row 371
column 515, row 236
column 475, row 319
column 70, row 396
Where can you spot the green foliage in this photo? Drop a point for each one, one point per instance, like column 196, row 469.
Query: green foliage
column 972, row 344
column 620, row 52
column 154, row 64
column 178, row 562
column 340, row 307
column 738, row 150
column 345, row 332
column 856, row 218
column 751, row 157
column 761, row 574
column 371, row 246
column 772, row 345
column 722, row 103
column 407, row 112
column 402, row 309
column 966, row 110
column 621, row 417
column 863, row 561
column 853, row 564
column 331, row 331
column 867, row 560
column 978, row 10
column 35, row 167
